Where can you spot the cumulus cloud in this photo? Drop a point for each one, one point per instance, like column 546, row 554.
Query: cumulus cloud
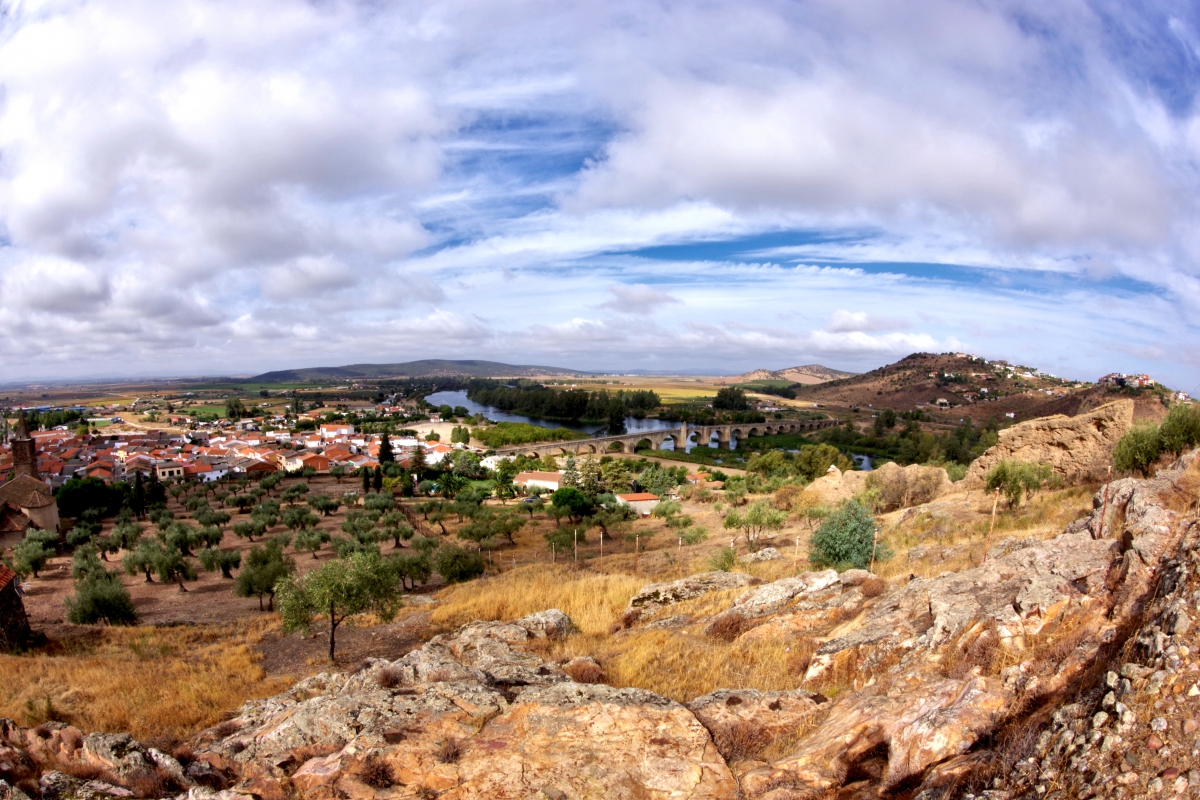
column 637, row 299
column 206, row 184
column 842, row 321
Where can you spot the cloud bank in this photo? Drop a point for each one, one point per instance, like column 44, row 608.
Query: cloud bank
column 224, row 187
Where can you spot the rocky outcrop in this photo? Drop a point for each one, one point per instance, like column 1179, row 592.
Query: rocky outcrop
column 836, row 487
column 470, row 715
column 1074, row 447
column 998, row 681
column 655, row 596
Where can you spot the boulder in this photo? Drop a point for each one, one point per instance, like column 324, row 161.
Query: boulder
column 771, row 597
column 765, row 554
column 836, row 487
column 1074, row 447
column 657, row 595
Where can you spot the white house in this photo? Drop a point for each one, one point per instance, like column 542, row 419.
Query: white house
column 641, row 502
column 546, row 480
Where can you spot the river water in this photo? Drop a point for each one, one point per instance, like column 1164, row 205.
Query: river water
column 632, row 425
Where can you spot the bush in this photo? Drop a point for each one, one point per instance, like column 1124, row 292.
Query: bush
column 1181, row 429
column 694, row 534
column 844, row 539
column 1138, row 449
column 723, row 560
column 1013, row 478
column 100, row 597
column 457, row 564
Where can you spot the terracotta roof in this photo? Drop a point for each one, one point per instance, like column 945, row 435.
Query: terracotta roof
column 26, row 492
column 537, row 476
column 630, row 498
column 7, row 576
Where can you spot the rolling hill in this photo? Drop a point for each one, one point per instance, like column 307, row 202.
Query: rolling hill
column 974, row 388
column 413, row 369
column 806, row 375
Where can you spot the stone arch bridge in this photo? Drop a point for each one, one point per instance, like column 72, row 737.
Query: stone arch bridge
column 628, row 442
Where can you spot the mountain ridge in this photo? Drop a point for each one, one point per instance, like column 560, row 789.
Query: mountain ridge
column 429, row 367
column 809, row 374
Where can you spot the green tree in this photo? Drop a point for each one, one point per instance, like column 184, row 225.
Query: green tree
column 1137, row 450
column 265, row 567
column 31, row 555
column 365, row 474
column 845, row 539
column 100, row 597
column 311, row 539
column 458, row 564
column 361, row 582
column 248, row 529
column 571, row 502
column 235, row 409
column 143, row 558
column 337, row 472
column 386, row 456
column 323, row 503
column 213, row 559
column 759, row 519
column 1181, row 429
column 412, row 568
column 297, row 518
column 731, row 398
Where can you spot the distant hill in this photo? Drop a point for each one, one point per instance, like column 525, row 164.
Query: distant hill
column 973, row 387
column 413, row 369
column 807, row 375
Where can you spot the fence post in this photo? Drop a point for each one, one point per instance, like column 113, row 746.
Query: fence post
column 1104, row 512
column 987, row 545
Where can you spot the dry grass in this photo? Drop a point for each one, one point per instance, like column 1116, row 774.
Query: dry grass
column 152, row 682
column 592, row 601
column 683, row 667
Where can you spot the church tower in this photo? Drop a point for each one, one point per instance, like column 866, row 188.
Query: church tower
column 24, row 450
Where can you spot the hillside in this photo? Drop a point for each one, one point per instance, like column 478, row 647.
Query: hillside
column 976, row 387
column 807, row 375
column 412, row 369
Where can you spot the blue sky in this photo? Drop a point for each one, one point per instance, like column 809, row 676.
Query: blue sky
column 229, row 187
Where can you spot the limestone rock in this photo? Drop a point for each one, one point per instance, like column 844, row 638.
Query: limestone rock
column 765, row 554
column 923, row 727
column 1072, row 446
column 584, row 741
column 656, row 595
column 743, row 721
column 771, row 597
column 836, row 487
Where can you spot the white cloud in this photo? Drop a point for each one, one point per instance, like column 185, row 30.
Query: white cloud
column 637, row 299
column 219, row 186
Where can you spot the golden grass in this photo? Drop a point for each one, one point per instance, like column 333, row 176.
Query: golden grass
column 156, row 683
column 592, row 601
column 683, row 667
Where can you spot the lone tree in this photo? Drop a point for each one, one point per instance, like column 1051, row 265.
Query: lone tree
column 352, row 585
column 386, row 456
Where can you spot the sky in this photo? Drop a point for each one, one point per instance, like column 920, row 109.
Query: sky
column 223, row 188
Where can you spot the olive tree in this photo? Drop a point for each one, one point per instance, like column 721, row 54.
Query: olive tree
column 358, row 583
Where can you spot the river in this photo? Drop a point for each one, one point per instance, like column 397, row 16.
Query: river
column 632, row 425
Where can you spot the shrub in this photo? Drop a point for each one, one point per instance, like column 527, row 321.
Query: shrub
column 100, row 597
column 873, row 587
column 457, row 564
column 1181, row 429
column 694, row 534
column 377, row 773
column 584, row 670
column 727, row 626
column 449, row 751
column 1013, row 478
column 1138, row 450
column 723, row 560
column 845, row 538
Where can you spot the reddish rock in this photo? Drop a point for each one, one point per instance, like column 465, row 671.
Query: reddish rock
column 1190, row 726
column 1169, row 774
column 1154, row 742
